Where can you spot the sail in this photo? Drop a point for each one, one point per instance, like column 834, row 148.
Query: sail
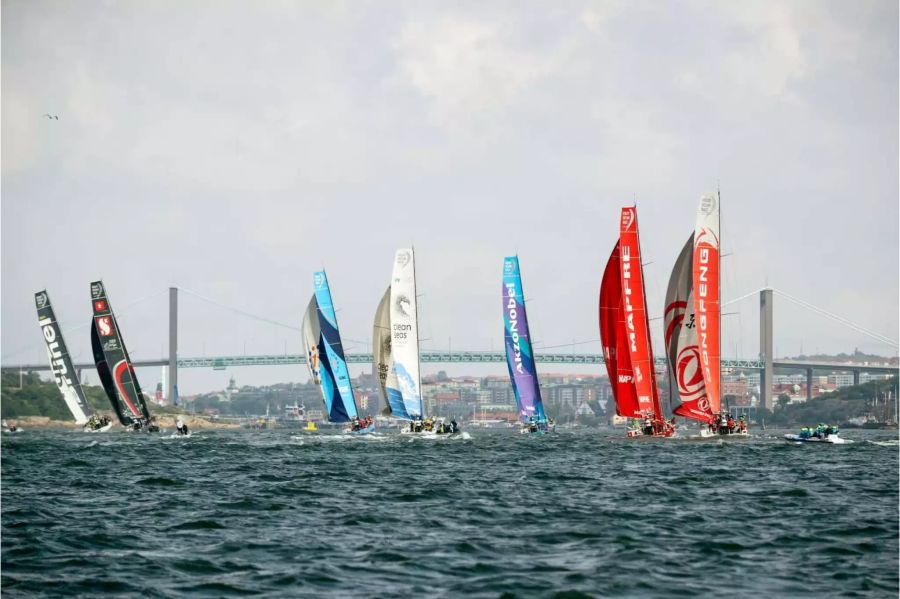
column 405, row 333
column 310, row 334
column 383, row 362
column 635, row 314
column 682, row 352
column 113, row 363
column 706, row 295
column 64, row 374
column 335, row 377
column 519, row 353
column 613, row 334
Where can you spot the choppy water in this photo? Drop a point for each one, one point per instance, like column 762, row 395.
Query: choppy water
column 241, row 513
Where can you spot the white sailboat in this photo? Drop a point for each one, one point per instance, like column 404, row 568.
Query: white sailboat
column 395, row 343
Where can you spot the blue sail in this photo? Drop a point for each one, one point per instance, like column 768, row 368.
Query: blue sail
column 519, row 352
column 335, row 378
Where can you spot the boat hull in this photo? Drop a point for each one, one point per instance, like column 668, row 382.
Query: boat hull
column 363, row 431
column 102, row 429
column 830, row 439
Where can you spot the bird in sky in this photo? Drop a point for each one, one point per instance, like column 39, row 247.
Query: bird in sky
column 51, row 116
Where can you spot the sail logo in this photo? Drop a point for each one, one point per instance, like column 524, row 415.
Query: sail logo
column 40, row 299
column 404, row 306
column 57, row 362
column 96, row 290
column 512, row 315
column 318, row 280
column 104, row 326
column 626, row 296
column 707, row 205
column 627, row 218
column 404, row 258
column 702, row 321
column 624, row 378
column 99, row 306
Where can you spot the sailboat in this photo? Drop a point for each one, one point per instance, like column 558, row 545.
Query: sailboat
column 64, row 374
column 692, row 321
column 519, row 352
column 625, row 334
column 395, row 349
column 114, row 365
column 325, row 358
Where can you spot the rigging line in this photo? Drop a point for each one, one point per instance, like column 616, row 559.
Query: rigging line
column 78, row 327
column 543, row 347
column 743, row 297
column 241, row 312
column 840, row 319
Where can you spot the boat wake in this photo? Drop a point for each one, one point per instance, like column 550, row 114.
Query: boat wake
column 888, row 443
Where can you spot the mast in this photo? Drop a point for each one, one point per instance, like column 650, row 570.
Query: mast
column 719, row 283
column 418, row 348
column 654, row 389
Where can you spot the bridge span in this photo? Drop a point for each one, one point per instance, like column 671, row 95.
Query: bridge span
column 765, row 363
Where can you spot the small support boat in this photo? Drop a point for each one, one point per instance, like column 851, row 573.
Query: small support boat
column 834, row 439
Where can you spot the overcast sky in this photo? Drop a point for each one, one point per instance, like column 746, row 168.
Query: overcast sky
column 232, row 148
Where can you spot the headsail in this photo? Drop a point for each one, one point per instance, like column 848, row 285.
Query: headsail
column 519, row 352
column 325, row 354
column 113, row 363
column 383, row 362
column 613, row 334
column 60, row 362
column 635, row 314
column 706, row 295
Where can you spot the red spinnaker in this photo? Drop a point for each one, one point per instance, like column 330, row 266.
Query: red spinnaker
column 613, row 337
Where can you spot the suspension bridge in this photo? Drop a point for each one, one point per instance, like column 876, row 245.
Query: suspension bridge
column 765, row 363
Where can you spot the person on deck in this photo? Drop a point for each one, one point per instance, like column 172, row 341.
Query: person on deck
column 180, row 427
column 730, row 423
column 454, row 426
column 648, row 425
column 742, row 425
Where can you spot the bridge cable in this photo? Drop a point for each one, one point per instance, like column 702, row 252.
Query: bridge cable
column 840, row 319
column 78, row 327
column 241, row 312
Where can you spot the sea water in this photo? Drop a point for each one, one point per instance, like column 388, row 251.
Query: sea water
column 578, row 513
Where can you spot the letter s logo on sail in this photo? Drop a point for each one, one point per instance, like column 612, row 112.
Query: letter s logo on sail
column 104, row 326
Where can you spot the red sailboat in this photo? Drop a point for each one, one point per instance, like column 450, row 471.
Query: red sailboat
column 625, row 334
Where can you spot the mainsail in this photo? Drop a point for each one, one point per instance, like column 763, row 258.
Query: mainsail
column 706, row 295
column 519, row 353
column 396, row 340
column 624, row 330
column 692, row 319
column 60, row 362
column 635, row 313
column 113, row 363
column 325, row 354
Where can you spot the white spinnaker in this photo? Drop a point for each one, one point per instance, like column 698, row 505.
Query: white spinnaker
column 381, row 348
column 404, row 330
column 310, row 335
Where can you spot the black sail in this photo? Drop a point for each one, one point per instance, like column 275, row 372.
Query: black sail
column 64, row 374
column 113, row 363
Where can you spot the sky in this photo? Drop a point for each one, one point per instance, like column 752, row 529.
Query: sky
column 233, row 148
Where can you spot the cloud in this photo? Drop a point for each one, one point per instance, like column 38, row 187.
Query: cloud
column 469, row 69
